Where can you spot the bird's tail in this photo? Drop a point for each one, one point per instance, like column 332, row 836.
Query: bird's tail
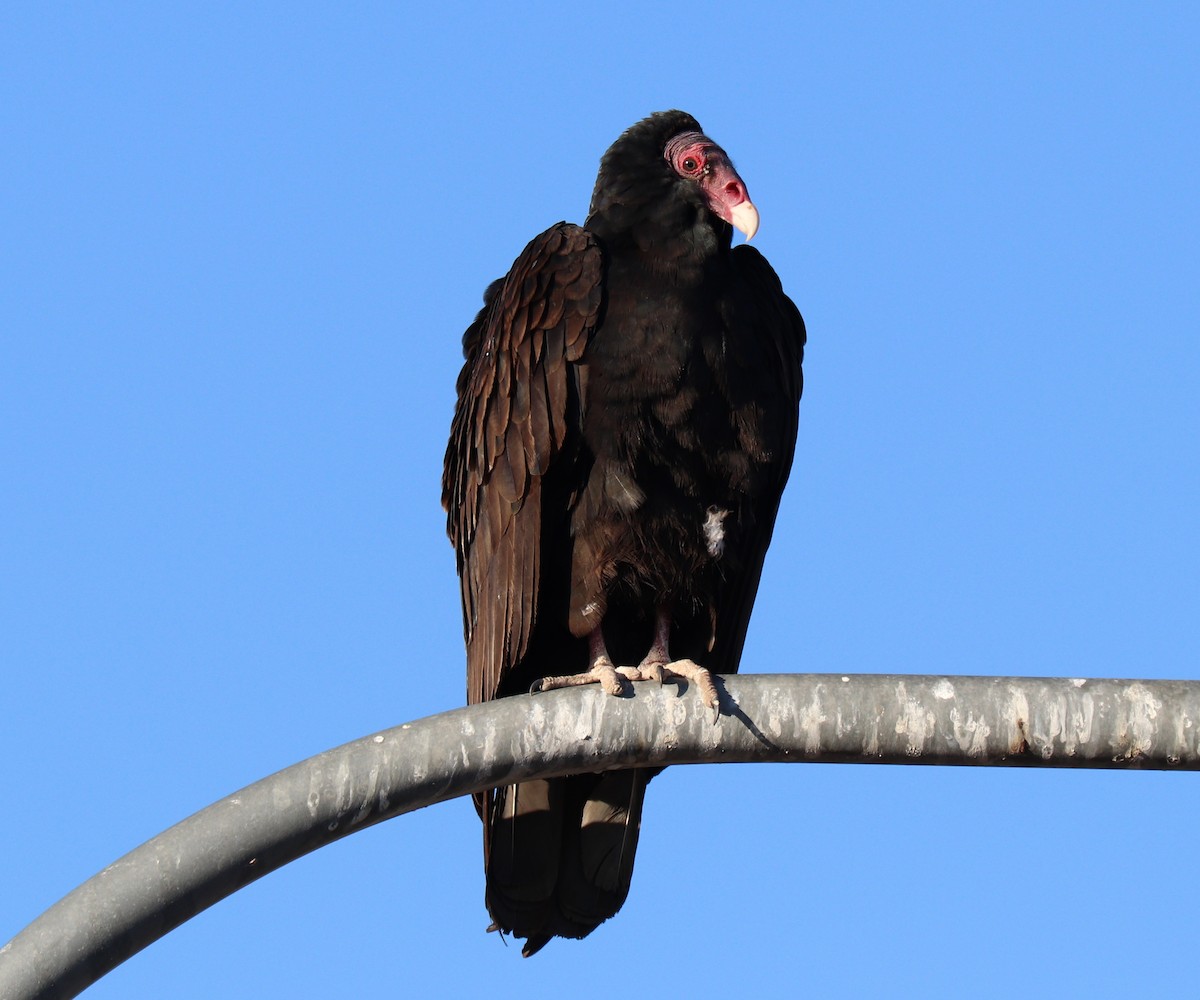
column 559, row 853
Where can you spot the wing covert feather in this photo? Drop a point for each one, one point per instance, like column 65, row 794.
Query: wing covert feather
column 513, row 423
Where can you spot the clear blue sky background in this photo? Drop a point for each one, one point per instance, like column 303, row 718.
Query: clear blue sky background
column 240, row 244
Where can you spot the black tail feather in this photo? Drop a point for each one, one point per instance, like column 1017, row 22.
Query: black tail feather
column 559, row 853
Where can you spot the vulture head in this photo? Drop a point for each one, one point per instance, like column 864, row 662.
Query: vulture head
column 665, row 185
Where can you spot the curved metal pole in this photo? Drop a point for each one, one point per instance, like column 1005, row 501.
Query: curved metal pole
column 812, row 717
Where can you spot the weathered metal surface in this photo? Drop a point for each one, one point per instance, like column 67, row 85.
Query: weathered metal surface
column 807, row 717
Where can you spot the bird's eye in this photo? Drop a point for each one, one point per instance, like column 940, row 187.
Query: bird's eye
column 688, row 155
column 691, row 163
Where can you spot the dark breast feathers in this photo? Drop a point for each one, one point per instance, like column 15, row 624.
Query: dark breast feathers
column 625, row 425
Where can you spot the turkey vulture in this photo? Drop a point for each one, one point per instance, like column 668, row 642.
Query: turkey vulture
column 625, row 424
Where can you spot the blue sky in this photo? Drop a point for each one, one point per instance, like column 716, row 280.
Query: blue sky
column 241, row 243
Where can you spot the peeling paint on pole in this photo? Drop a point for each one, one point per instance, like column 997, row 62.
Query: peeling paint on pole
column 796, row 717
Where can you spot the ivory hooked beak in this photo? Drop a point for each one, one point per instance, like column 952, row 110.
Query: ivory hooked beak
column 745, row 218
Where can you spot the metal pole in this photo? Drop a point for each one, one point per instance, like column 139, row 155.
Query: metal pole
column 813, row 717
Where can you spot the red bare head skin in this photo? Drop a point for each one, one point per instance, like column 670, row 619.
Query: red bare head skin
column 696, row 157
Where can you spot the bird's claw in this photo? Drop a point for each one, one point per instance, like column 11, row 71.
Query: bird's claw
column 652, row 670
column 702, row 677
column 602, row 673
column 612, row 679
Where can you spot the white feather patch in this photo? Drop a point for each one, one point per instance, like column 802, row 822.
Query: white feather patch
column 714, row 531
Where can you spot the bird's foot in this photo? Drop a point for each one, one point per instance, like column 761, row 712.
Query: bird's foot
column 654, row 668
column 603, row 673
column 612, row 679
column 702, row 677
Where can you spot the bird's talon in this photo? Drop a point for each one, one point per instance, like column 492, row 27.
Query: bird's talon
column 653, row 672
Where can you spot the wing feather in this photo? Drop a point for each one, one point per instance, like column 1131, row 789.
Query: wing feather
column 772, row 349
column 515, row 422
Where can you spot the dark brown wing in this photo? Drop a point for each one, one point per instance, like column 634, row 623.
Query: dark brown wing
column 769, row 346
column 517, row 407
